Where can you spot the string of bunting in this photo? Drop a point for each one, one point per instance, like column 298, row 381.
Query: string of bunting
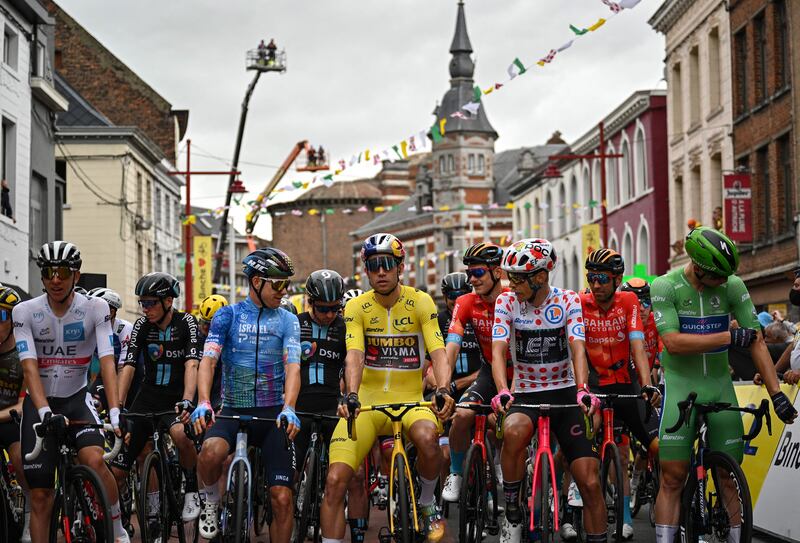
column 418, row 141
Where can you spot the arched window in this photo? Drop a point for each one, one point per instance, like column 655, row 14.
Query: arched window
column 643, row 247
column 625, row 173
column 573, row 197
column 575, row 279
column 536, row 227
column 640, row 158
column 596, row 191
column 612, row 183
column 548, row 213
column 518, row 226
column 561, row 209
column 613, row 244
column 627, row 251
column 526, row 231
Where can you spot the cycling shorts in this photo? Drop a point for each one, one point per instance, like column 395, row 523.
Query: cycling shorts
column 141, row 429
column 368, row 426
column 483, row 389
column 9, row 434
column 725, row 428
column 279, row 463
column 631, row 414
column 568, row 425
column 40, row 473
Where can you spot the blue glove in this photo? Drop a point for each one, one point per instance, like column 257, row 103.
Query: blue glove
column 203, row 410
column 290, row 416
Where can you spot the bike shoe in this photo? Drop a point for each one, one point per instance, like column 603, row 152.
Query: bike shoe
column 568, row 532
column 511, row 532
column 209, row 525
column 191, row 506
column 434, row 523
column 452, row 488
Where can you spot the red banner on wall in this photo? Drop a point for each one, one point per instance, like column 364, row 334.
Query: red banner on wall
column 737, row 195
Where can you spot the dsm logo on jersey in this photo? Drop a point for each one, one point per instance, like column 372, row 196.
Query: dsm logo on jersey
column 74, row 332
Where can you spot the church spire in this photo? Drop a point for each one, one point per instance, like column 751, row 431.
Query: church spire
column 461, row 65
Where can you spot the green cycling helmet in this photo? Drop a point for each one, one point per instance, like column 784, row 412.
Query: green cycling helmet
column 712, row 250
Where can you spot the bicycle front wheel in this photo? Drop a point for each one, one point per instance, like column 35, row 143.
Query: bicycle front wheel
column 727, row 503
column 305, row 496
column 87, row 514
column 235, row 526
column 152, row 503
column 472, row 499
column 400, row 505
column 613, row 489
column 259, row 490
column 543, row 501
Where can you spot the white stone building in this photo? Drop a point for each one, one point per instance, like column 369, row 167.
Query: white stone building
column 699, row 102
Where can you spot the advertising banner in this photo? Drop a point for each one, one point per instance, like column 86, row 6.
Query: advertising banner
column 201, row 269
column 737, row 195
column 590, row 237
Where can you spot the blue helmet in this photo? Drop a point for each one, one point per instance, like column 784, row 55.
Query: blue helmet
column 268, row 262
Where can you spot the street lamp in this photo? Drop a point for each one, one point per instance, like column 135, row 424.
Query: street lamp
column 262, row 59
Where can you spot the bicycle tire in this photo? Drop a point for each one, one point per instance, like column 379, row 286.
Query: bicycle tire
column 611, row 457
column 305, row 496
column 472, row 499
column 715, row 463
column 55, row 519
column 239, row 490
column 92, row 490
column 172, row 507
column 151, row 468
column 403, row 524
column 492, row 523
column 259, row 490
column 655, row 475
column 543, row 502
column 636, row 497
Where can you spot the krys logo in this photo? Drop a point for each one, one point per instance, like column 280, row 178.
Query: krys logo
column 74, row 332
column 307, row 349
column 155, row 351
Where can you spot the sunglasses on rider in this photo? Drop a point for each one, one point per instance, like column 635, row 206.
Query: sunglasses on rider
column 63, row 272
column 386, row 262
column 148, row 304
column 711, row 276
column 5, row 315
column 453, row 295
column 277, row 284
column 602, row 278
column 518, row 278
column 645, row 302
column 327, row 308
column 477, row 273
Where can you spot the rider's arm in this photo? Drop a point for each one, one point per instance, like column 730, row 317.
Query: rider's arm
column 783, row 363
column 666, row 316
column 576, row 335
column 354, row 340
column 434, row 342
column 501, row 334
column 745, row 314
column 192, row 353
column 105, row 349
column 455, row 332
column 464, row 382
column 135, row 344
column 26, row 348
column 291, row 359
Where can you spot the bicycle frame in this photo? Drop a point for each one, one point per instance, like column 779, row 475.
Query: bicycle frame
column 398, row 449
column 240, row 455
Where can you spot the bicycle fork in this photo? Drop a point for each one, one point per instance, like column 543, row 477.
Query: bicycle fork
column 543, row 450
column 398, row 446
column 240, row 455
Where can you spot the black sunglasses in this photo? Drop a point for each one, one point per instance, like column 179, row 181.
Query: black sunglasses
column 147, row 304
column 388, row 263
column 454, row 294
column 327, row 308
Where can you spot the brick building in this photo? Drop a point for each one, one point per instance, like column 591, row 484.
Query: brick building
column 113, row 88
column 320, row 239
column 765, row 47
column 440, row 217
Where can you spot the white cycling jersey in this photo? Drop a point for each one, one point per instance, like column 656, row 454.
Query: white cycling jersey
column 63, row 346
column 540, row 338
column 122, row 338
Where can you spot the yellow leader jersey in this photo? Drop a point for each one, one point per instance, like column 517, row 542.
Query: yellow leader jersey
column 394, row 342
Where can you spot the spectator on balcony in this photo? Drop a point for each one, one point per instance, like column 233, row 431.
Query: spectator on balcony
column 5, row 200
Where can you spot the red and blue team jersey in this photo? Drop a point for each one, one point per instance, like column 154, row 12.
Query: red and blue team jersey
column 652, row 341
column 608, row 335
column 254, row 343
column 470, row 309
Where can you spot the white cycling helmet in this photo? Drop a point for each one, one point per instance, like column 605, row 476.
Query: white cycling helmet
column 350, row 294
column 111, row 297
column 529, row 256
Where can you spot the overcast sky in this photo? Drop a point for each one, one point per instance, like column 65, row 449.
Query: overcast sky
column 367, row 73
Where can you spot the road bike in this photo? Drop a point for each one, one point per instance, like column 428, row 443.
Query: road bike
column 716, row 496
column 478, row 482
column 403, row 514
column 649, row 480
column 162, row 472
column 80, row 509
column 314, row 472
column 236, row 513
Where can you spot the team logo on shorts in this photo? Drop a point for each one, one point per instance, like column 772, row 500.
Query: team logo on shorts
column 307, row 349
column 553, row 314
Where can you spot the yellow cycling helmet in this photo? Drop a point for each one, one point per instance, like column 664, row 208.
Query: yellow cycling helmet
column 211, row 305
column 8, row 297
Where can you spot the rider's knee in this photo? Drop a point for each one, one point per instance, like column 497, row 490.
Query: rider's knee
column 40, row 499
column 463, row 417
column 211, row 454
column 515, row 437
column 281, row 498
column 336, row 484
column 589, row 484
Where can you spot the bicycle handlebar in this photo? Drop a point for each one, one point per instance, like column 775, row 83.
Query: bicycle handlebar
column 760, row 413
column 41, row 434
column 245, row 420
column 648, row 406
column 481, row 407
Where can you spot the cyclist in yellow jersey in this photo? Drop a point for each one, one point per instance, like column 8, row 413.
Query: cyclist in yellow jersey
column 389, row 329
